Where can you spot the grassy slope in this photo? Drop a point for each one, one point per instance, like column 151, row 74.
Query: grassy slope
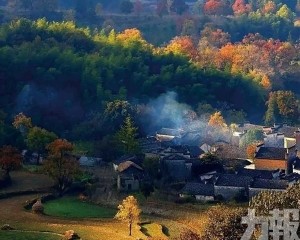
column 74, row 208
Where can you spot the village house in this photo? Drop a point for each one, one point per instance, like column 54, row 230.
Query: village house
column 229, row 186
column 273, row 158
column 130, row 176
column 255, row 173
column 199, row 191
column 137, row 159
column 259, row 185
column 177, row 167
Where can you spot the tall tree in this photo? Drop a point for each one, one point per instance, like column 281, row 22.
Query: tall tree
column 129, row 212
column 10, row 159
column 240, row 7
column 126, row 136
column 282, row 106
column 38, row 138
column 60, row 165
column 252, row 136
column 22, row 123
column 216, row 7
column 217, row 120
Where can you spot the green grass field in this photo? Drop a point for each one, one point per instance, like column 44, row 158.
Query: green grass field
column 70, row 207
column 12, row 235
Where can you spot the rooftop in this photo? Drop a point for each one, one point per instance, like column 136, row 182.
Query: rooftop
column 125, row 165
column 271, row 153
column 270, row 184
column 175, row 157
column 255, row 173
column 233, row 180
column 194, row 188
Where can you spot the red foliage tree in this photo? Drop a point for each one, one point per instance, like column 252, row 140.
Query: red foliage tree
column 216, row 7
column 10, row 158
column 240, row 7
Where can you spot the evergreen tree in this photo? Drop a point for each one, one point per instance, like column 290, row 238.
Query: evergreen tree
column 126, row 136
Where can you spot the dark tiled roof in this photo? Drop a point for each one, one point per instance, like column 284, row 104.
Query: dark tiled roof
column 233, row 180
column 270, row 184
column 175, row 157
column 149, row 144
column 190, row 138
column 271, row 153
column 125, row 165
column 195, row 151
column 198, row 189
column 296, row 163
column 288, row 131
column 255, row 173
column 137, row 159
column 291, row 177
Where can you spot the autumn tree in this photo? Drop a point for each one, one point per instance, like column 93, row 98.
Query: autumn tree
column 10, row 159
column 22, row 123
column 286, row 13
column 60, row 165
column 240, row 7
column 216, row 7
column 37, row 139
column 215, row 37
column 269, row 7
column 189, row 235
column 282, row 106
column 250, row 150
column 217, row 120
column 224, row 223
column 182, row 45
column 129, row 212
column 266, row 201
column 127, row 135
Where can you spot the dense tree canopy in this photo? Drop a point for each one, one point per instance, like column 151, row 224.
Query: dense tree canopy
column 67, row 75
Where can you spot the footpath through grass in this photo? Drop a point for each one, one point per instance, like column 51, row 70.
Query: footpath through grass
column 15, row 235
column 71, row 207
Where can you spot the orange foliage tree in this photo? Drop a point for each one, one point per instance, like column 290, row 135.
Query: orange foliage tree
column 182, row 45
column 130, row 37
column 217, row 120
column 60, row 165
column 251, row 148
column 10, row 158
column 22, row 123
column 269, row 7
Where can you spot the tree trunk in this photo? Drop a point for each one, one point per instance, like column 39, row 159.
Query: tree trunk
column 130, row 229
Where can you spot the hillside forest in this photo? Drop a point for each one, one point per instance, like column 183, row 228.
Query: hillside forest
column 79, row 68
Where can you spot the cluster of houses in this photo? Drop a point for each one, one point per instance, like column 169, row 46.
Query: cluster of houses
column 275, row 166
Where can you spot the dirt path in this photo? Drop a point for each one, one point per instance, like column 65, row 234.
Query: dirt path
column 23, row 180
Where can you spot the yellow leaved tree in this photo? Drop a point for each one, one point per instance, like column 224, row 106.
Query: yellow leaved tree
column 129, row 211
